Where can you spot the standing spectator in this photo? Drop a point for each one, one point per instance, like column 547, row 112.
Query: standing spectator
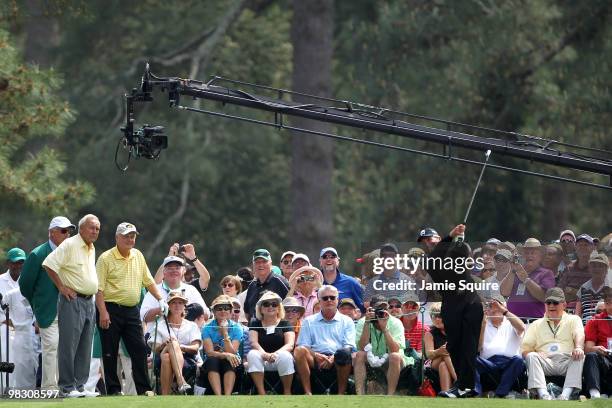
column 381, row 284
column 39, row 290
column 488, row 275
column 347, row 286
column 304, row 283
column 500, row 341
column 592, row 291
column 436, row 351
column 173, row 272
column 221, row 342
column 264, row 280
column 298, row 261
column 406, row 308
column 428, row 238
column 122, row 273
column 72, row 268
column 385, row 336
column 272, row 340
column 554, row 345
column 503, row 264
column 578, row 271
column 527, row 284
column 187, row 252
column 326, row 339
column 285, row 263
column 598, row 360
column 567, row 240
column 553, row 256
column 9, row 281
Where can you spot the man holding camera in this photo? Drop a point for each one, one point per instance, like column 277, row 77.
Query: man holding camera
column 527, row 283
column 554, row 345
column 391, row 282
column 381, row 344
column 122, row 272
column 188, row 252
column 598, row 360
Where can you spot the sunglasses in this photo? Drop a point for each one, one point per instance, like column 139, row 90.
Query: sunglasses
column 286, row 262
column 328, row 298
column 567, row 241
column 237, row 311
column 488, row 270
column 501, row 259
column 223, row 308
column 64, row 230
column 269, row 304
column 228, row 285
column 552, row 302
column 292, row 310
column 329, row 256
column 395, row 306
column 435, row 315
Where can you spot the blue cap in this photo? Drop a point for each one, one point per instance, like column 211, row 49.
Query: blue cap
column 426, row 233
column 586, row 237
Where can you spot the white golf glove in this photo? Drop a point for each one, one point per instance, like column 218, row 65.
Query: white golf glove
column 163, row 306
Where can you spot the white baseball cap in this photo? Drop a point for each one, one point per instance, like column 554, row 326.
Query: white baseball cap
column 126, row 228
column 61, row 222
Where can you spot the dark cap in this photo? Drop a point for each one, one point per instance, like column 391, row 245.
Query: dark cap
column 193, row 311
column 378, row 300
column 389, row 246
column 426, row 233
column 347, row 301
column 555, row 294
column 585, row 237
column 262, row 253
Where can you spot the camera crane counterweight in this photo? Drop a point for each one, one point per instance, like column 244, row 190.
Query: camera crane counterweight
column 149, row 141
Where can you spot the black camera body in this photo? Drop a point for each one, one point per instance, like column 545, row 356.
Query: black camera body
column 150, row 141
column 305, row 278
column 380, row 313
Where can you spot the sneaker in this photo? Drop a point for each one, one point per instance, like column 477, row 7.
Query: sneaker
column 511, row 395
column 149, row 394
column 562, row 398
column 184, row 388
column 90, row 394
column 468, row 393
column 452, row 392
column 74, row 394
column 546, row 397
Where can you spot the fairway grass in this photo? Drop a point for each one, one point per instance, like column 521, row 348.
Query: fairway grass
column 298, row 401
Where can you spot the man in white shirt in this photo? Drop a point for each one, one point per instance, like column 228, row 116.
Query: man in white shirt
column 500, row 341
column 174, row 269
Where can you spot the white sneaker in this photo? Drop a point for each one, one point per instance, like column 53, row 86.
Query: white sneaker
column 74, row 394
column 546, row 397
column 90, row 394
column 184, row 388
column 562, row 398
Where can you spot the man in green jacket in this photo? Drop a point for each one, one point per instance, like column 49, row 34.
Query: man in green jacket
column 39, row 290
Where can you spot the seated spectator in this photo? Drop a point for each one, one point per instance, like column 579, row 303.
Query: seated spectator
column 592, row 290
column 304, row 283
column 294, row 312
column 347, row 286
column 577, row 272
column 176, row 351
column 598, row 360
column 406, row 309
column 221, row 341
column 500, row 341
column 554, row 345
column 503, row 264
column 317, row 306
column 245, row 343
column 381, row 344
column 553, row 256
column 436, row 352
column 489, row 275
column 327, row 339
column 173, row 271
column 348, row 308
column 391, row 282
column 285, row 263
column 527, row 283
column 264, row 280
column 272, row 340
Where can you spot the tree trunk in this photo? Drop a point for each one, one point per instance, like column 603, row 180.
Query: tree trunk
column 312, row 156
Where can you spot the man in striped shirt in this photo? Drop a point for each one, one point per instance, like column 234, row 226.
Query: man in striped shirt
column 592, row 290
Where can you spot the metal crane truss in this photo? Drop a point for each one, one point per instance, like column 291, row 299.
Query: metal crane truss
column 360, row 116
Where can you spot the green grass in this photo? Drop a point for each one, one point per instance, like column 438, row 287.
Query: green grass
column 297, row 402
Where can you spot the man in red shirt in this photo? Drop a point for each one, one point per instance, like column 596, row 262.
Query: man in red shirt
column 598, row 346
column 407, row 310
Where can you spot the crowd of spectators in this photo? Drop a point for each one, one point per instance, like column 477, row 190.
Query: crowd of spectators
column 302, row 327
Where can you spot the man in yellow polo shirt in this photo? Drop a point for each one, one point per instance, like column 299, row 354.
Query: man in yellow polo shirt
column 122, row 273
column 72, row 269
column 554, row 345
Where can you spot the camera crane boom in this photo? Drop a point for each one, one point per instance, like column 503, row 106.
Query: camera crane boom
column 149, row 141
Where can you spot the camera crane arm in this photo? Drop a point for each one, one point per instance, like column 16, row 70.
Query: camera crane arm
column 148, row 141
